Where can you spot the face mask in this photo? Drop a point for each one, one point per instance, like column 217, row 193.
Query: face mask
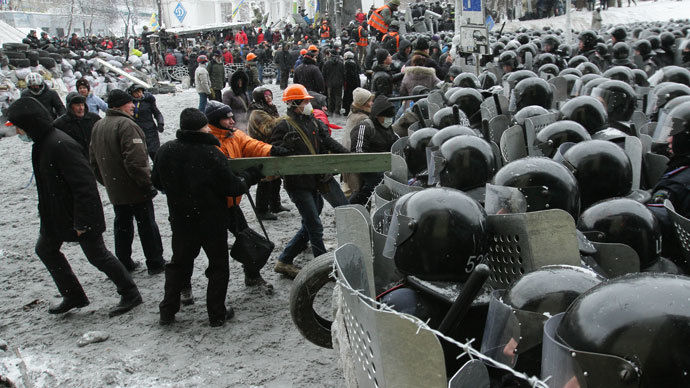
column 307, row 110
column 387, row 122
column 24, row 137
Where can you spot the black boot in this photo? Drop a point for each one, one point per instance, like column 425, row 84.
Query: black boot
column 126, row 303
column 68, row 304
column 266, row 216
column 217, row 322
column 279, row 208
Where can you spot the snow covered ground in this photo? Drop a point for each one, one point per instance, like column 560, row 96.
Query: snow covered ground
column 259, row 347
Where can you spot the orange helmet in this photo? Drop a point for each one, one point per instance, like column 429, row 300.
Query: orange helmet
column 312, row 48
column 302, row 51
column 324, row 22
column 251, row 56
column 296, row 92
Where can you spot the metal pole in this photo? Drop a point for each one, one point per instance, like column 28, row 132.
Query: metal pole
column 568, row 28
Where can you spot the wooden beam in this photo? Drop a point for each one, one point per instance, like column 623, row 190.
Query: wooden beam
column 317, row 164
column 124, row 73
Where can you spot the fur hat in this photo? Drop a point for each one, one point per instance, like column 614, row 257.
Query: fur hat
column 360, row 96
column 191, row 119
column 117, row 98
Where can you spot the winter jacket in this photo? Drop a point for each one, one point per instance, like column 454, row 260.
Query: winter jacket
column 196, row 179
column 119, row 158
column 259, row 103
column 78, row 128
column 286, row 135
column 381, row 81
column 252, row 75
column 201, row 80
column 170, row 59
column 334, row 72
column 370, row 135
column 50, row 100
column 284, row 60
column 429, row 63
column 355, row 117
column 216, row 73
column 227, row 57
column 145, row 111
column 351, row 79
column 237, row 144
column 95, row 104
column 418, row 75
column 68, row 197
column 237, row 97
column 309, row 75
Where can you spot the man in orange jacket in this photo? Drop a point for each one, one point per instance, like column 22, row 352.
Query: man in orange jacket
column 382, row 17
column 235, row 144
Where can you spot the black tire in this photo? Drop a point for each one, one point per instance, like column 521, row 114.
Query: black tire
column 15, row 55
column 20, row 62
column 48, row 63
column 42, row 53
column 56, row 57
column 32, row 56
column 305, row 287
column 15, row 46
column 63, row 50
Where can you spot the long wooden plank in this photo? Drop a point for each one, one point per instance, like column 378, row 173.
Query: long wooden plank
column 124, row 73
column 317, row 164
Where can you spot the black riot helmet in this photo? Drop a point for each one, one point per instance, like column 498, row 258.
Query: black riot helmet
column 620, row 73
column 621, row 51
column 624, row 221
column 548, row 71
column 508, row 59
column 662, row 94
column 667, row 40
column 619, row 99
column 619, row 33
column 588, row 39
column 546, row 58
column 553, row 135
column 586, row 110
column 576, row 61
column 588, row 68
column 469, row 101
column 524, row 49
column 569, row 71
column 602, row 169
column 546, row 184
column 437, row 234
column 487, row 79
column 421, row 109
column 587, row 87
column 468, row 163
column 466, row 80
column 450, row 132
column 454, row 71
column 677, row 124
column 549, row 43
column 631, row 331
column 655, row 42
column 570, row 82
column 449, row 92
column 518, row 76
column 532, row 91
column 415, row 150
column 676, row 74
column 640, row 78
column 579, row 87
column 516, row 317
column 522, row 38
column 643, row 47
column 527, row 112
column 449, row 116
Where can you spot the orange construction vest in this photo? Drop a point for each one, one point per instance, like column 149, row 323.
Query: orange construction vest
column 376, row 20
column 363, row 41
column 325, row 32
column 392, row 35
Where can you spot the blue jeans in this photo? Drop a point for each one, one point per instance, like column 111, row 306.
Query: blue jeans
column 277, row 73
column 335, row 195
column 261, row 72
column 203, row 99
column 309, row 204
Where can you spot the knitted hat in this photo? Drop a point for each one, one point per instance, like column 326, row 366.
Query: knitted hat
column 216, row 111
column 381, row 55
column 117, row 98
column 191, row 119
column 83, row 82
column 360, row 96
column 382, row 107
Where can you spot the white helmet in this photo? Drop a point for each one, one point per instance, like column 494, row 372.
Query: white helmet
column 34, row 79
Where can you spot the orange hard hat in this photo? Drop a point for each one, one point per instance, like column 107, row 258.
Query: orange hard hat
column 302, row 51
column 324, row 22
column 296, row 92
column 251, row 56
column 313, row 48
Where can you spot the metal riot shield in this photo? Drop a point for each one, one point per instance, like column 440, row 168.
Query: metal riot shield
column 616, row 259
column 633, row 148
column 512, row 144
column 498, row 125
column 472, row 375
column 560, row 89
column 436, row 97
column 354, row 227
column 399, row 146
column 681, row 225
column 654, row 167
column 398, row 169
column 532, row 126
column 385, row 272
column 638, row 120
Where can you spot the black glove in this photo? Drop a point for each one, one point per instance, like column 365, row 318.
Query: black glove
column 152, row 193
column 281, row 151
column 161, row 128
column 252, row 175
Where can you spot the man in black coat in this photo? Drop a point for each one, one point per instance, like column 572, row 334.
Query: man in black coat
column 69, row 208
column 284, row 63
column 148, row 117
column 37, row 88
column 352, row 81
column 77, row 121
column 196, row 178
column 334, row 74
column 309, row 75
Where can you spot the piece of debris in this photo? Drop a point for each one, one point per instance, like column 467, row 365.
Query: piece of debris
column 92, row 337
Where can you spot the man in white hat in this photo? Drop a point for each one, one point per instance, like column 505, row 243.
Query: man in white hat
column 359, row 111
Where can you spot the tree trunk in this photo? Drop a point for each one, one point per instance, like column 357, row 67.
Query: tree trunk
column 71, row 15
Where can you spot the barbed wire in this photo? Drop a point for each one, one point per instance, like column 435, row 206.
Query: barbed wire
column 467, row 348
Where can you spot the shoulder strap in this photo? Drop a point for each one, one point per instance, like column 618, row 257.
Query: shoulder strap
column 301, row 133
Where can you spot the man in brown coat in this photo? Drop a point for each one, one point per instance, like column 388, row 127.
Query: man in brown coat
column 119, row 159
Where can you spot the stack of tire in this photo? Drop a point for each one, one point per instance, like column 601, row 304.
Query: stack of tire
column 21, row 56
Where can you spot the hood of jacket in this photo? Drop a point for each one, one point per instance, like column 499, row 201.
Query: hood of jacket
column 237, row 76
column 76, row 98
column 420, row 71
column 197, row 137
column 307, row 60
column 381, row 107
column 403, row 45
column 28, row 114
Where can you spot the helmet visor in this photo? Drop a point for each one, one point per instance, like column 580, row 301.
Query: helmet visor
column 614, row 101
column 565, row 367
column 510, row 331
column 504, row 200
column 400, row 229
